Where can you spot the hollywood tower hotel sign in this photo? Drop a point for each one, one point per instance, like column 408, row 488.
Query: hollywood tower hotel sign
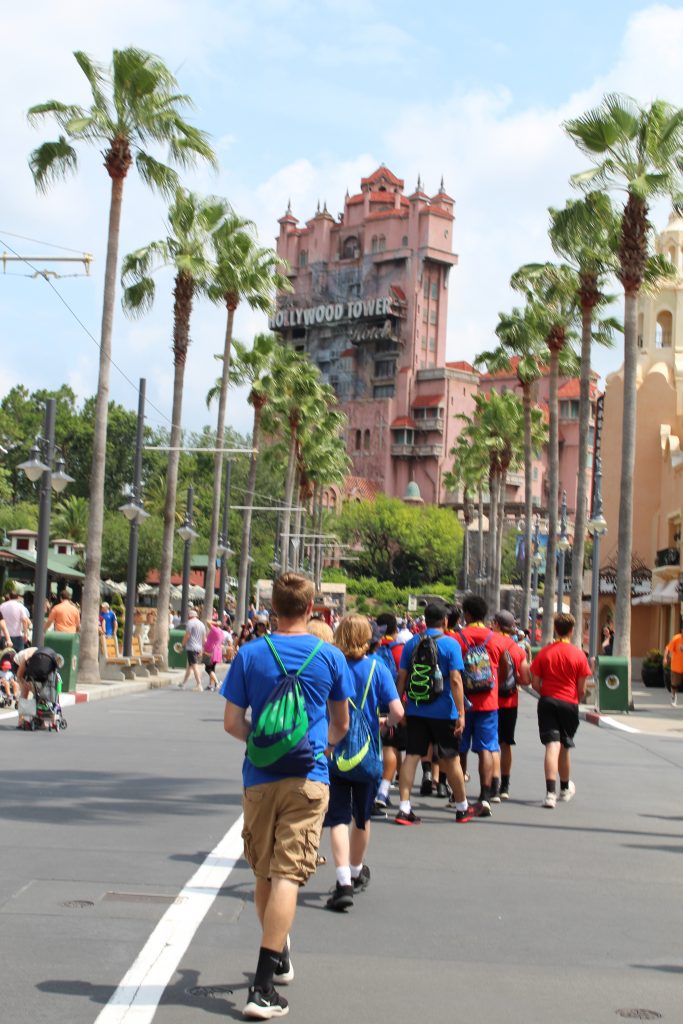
column 370, row 309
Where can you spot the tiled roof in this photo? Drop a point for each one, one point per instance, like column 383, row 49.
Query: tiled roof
column 404, row 421
column 359, row 486
column 398, row 292
column 427, row 401
column 461, row 365
column 437, row 211
column 572, row 389
column 383, row 172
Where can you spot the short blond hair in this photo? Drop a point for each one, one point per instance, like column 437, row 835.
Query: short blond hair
column 353, row 636
column 319, row 628
column 292, row 594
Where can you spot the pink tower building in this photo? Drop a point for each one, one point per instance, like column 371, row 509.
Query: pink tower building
column 370, row 308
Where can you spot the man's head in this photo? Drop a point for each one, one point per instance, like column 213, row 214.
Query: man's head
column 65, row 595
column 353, row 636
column 474, row 608
column 504, row 621
column 564, row 624
column 192, row 613
column 12, row 595
column 388, row 620
column 261, row 625
column 454, row 613
column 104, row 606
column 292, row 595
column 435, row 613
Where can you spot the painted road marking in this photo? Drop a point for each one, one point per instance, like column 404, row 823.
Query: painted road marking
column 139, row 993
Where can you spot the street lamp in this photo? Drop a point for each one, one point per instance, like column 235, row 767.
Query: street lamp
column 187, row 534
column 536, row 562
column 597, row 527
column 135, row 514
column 224, row 550
column 563, row 546
column 39, row 466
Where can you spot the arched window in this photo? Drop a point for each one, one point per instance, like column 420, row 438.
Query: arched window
column 366, row 440
column 671, row 255
column 382, row 243
column 374, row 243
column 303, row 258
column 350, row 248
column 664, row 330
column 358, row 440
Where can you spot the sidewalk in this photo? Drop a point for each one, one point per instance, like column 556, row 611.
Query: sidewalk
column 652, row 714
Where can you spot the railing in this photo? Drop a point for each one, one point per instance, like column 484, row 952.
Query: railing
column 667, row 556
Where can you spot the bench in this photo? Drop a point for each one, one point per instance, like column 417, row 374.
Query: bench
column 114, row 666
column 150, row 661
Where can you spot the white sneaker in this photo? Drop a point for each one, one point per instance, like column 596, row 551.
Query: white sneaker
column 567, row 794
column 550, row 800
column 674, row 698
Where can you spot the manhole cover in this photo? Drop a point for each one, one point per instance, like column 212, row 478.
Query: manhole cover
column 78, row 904
column 209, row 991
column 633, row 1014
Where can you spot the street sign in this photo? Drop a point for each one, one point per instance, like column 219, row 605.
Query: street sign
column 412, row 603
column 535, row 602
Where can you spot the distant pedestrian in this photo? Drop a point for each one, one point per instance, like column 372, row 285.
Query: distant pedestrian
column 193, row 642
column 108, row 621
column 607, row 641
column 673, row 660
column 213, row 651
column 559, row 673
column 16, row 620
column 65, row 616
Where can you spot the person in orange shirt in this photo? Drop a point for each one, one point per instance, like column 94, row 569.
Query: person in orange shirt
column 673, row 659
column 65, row 616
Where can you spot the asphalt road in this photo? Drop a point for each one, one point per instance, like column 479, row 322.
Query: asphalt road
column 531, row 916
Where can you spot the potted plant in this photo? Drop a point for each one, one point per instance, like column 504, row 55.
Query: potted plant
column 652, row 670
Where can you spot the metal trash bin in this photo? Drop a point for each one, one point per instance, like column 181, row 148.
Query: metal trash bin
column 69, row 646
column 176, row 659
column 612, row 683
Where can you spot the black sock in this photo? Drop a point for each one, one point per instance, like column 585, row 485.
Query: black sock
column 550, row 785
column 427, row 769
column 504, row 783
column 268, row 962
column 564, row 785
column 495, row 785
column 485, row 793
column 284, row 957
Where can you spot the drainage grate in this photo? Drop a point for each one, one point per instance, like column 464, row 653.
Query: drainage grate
column 209, row 991
column 633, row 1014
column 141, row 897
column 78, row 904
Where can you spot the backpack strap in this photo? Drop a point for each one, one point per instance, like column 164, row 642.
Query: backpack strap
column 465, row 638
column 280, row 662
column 367, row 685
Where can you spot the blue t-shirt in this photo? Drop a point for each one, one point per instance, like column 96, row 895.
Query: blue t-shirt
column 108, row 620
column 450, row 658
column 255, row 673
column 382, row 687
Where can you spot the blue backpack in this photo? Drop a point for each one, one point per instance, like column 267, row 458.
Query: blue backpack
column 383, row 654
column 357, row 758
column 279, row 741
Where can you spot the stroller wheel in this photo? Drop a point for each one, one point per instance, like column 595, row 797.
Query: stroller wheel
column 62, row 723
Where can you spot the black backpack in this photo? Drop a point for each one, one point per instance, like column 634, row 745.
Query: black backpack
column 41, row 665
column 425, row 678
column 507, row 674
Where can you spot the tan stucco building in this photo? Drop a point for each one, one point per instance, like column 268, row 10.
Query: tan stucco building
column 658, row 476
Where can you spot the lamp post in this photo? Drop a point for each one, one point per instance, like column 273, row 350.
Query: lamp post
column 563, row 546
column 597, row 527
column 223, row 550
column 135, row 514
column 37, row 469
column 536, row 561
column 187, row 534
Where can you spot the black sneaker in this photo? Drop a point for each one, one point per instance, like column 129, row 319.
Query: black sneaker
column 379, row 810
column 407, row 818
column 482, row 809
column 285, row 972
column 341, row 898
column 363, row 881
column 264, row 1005
column 426, row 787
column 441, row 790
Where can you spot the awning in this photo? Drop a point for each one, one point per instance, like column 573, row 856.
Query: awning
column 663, row 593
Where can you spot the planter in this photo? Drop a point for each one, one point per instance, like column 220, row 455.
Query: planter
column 652, row 675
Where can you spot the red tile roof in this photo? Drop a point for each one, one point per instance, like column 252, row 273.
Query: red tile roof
column 383, row 172
column 398, row 293
column 437, row 211
column 428, row 401
column 359, row 486
column 572, row 389
column 461, row 365
column 404, row 421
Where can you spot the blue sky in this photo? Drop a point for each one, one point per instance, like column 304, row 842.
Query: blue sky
column 302, row 97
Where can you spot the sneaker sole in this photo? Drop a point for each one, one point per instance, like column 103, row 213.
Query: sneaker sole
column 340, row 905
column 402, row 821
column 255, row 1012
column 286, row 978
column 504, row 796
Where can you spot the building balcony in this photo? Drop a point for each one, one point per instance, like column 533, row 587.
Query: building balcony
column 428, row 451
column 403, row 451
column 667, row 564
column 430, row 423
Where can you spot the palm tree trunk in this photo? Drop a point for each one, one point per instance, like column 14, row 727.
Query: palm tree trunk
column 528, row 507
column 243, row 576
column 218, row 463
column 290, row 480
column 499, row 540
column 467, row 518
column 480, row 540
column 493, row 518
column 580, row 517
column 297, row 539
column 88, row 670
column 622, row 614
column 181, row 335
column 554, row 482
column 319, row 549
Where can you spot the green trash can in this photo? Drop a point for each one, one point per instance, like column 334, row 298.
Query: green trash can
column 612, row 683
column 176, row 659
column 69, row 646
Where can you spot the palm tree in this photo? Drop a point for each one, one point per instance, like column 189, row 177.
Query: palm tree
column 636, row 150
column 70, row 519
column 135, row 102
column 243, row 273
column 469, row 471
column 584, row 235
column 322, row 460
column 551, row 290
column 186, row 250
column 521, row 347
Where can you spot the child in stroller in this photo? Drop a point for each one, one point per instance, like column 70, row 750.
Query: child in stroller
column 9, row 687
column 39, row 671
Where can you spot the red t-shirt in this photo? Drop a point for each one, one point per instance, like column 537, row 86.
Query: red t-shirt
column 396, row 650
column 518, row 656
column 495, row 645
column 559, row 666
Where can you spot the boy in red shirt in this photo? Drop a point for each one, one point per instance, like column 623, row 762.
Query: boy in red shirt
column 559, row 673
column 512, row 672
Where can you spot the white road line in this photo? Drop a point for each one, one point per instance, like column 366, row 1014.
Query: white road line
column 137, row 997
column 614, row 724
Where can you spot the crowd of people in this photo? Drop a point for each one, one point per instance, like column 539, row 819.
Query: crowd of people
column 332, row 719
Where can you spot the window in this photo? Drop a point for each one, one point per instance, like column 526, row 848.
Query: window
column 350, row 248
column 303, row 258
column 564, row 410
column 424, row 341
column 404, row 240
column 535, row 473
column 382, row 243
column 425, row 290
column 664, row 330
column 574, row 412
column 385, row 367
column 591, row 436
column 435, row 289
column 432, row 316
column 22, row 544
column 589, row 464
column 432, row 344
column 374, row 243
column 358, row 437
column 405, row 436
column 383, row 391
column 424, row 315
column 366, row 440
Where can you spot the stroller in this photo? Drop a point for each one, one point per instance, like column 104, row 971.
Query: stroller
column 43, row 710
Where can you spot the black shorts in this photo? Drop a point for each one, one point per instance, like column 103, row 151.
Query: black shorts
column 558, row 721
column 210, row 666
column 394, row 737
column 349, row 800
column 507, row 720
column 420, row 732
column 192, row 657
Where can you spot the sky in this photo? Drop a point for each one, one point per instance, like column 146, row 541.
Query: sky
column 302, row 98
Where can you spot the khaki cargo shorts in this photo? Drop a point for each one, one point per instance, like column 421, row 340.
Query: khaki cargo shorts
column 282, row 825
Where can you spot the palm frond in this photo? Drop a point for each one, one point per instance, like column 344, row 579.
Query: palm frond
column 156, row 174
column 52, row 161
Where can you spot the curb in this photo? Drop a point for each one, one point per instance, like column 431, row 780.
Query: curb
column 606, row 722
